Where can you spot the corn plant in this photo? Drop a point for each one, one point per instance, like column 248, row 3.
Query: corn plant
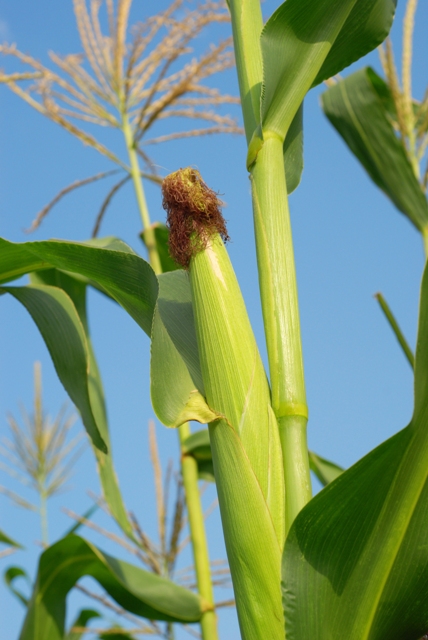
column 349, row 562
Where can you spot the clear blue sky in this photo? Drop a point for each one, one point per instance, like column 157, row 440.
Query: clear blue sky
column 349, row 243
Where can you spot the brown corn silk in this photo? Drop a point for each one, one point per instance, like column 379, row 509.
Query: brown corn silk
column 193, row 214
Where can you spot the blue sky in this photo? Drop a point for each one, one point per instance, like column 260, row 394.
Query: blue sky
column 349, row 242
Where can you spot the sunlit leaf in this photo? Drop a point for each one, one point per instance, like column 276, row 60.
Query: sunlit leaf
column 306, row 41
column 324, row 470
column 140, row 592
column 355, row 563
column 76, row 290
column 357, row 108
column 9, row 577
column 57, row 320
column 81, row 620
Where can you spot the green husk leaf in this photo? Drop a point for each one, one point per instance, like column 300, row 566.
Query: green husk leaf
column 357, row 108
column 235, row 381
column 140, row 592
column 251, row 541
column 245, row 445
column 356, row 558
column 177, row 389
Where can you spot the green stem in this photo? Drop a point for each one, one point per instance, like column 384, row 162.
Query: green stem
column 396, row 329
column 149, row 233
column 425, row 240
column 278, row 289
column 44, row 518
column 189, row 469
column 247, row 25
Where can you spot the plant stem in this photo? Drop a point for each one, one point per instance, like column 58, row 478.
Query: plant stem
column 247, row 25
column 44, row 517
column 149, row 233
column 425, row 240
column 278, row 289
column 189, row 468
column 408, row 27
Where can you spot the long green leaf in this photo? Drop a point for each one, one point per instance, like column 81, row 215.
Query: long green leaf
column 10, row 575
column 140, row 592
column 306, row 41
column 177, row 389
column 324, row 470
column 81, row 620
column 125, row 276
column 76, row 290
column 355, row 563
column 57, row 320
column 5, row 539
column 358, row 109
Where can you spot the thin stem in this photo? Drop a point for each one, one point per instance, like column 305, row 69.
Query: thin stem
column 189, row 468
column 44, row 517
column 278, row 289
column 149, row 233
column 247, row 25
column 292, row 431
column 396, row 329
column 425, row 240
column 408, row 27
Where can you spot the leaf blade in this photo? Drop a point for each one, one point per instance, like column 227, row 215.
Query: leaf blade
column 138, row 591
column 356, row 109
column 359, row 550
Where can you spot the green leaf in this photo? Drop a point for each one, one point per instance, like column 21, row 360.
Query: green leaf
column 140, row 592
column 161, row 239
column 357, row 109
column 177, row 389
column 120, row 635
column 252, row 546
column 57, row 320
column 76, row 290
column 355, row 563
column 324, row 470
column 124, row 276
column 10, row 576
column 9, row 541
column 81, row 620
column 198, row 445
column 306, row 41
column 293, row 152
column 87, row 515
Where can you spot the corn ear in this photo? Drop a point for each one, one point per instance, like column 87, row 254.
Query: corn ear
column 245, row 443
column 244, row 436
